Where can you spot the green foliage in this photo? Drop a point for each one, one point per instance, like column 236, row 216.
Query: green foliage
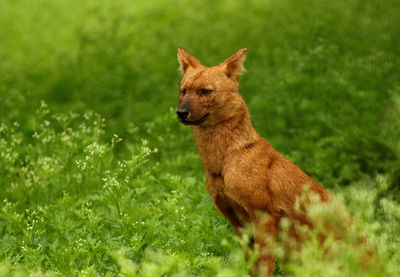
column 69, row 200
column 77, row 199
column 350, row 247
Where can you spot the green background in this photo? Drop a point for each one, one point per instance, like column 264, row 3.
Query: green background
column 322, row 85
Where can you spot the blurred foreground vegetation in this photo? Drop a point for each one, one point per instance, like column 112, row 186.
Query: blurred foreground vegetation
column 99, row 178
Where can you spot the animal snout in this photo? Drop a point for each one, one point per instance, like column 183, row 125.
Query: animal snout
column 182, row 113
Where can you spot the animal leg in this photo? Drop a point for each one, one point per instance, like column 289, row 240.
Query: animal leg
column 265, row 232
column 225, row 207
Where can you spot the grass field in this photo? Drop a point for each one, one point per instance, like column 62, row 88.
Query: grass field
column 98, row 178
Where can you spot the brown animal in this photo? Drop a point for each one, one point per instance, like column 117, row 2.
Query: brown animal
column 245, row 175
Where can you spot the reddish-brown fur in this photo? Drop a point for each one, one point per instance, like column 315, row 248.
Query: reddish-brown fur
column 245, row 175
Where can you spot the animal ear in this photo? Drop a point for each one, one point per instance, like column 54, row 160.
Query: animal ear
column 233, row 66
column 186, row 61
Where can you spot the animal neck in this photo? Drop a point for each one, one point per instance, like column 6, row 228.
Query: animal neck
column 216, row 142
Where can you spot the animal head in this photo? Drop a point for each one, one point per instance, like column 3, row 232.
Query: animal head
column 209, row 95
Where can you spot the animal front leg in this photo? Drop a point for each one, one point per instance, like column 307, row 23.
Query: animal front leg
column 229, row 213
column 233, row 213
column 265, row 232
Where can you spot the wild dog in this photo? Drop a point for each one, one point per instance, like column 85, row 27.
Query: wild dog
column 249, row 181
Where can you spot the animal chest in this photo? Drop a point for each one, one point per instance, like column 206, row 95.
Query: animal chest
column 212, row 158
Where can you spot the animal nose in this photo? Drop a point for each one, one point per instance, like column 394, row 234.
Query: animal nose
column 182, row 113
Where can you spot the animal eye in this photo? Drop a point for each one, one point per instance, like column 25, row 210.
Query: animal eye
column 183, row 91
column 205, row 91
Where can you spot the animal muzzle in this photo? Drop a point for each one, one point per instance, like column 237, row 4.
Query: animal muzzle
column 184, row 108
column 182, row 113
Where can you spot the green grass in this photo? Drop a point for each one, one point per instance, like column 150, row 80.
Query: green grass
column 99, row 178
